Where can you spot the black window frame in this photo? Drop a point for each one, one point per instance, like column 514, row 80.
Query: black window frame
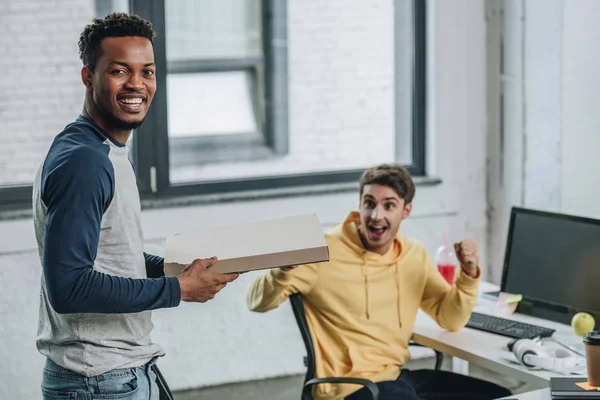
column 151, row 151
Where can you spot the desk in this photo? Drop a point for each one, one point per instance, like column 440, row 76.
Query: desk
column 487, row 349
column 542, row 394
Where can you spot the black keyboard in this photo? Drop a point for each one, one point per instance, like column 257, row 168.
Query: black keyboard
column 507, row 327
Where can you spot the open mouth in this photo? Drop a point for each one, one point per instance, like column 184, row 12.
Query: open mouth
column 132, row 103
column 377, row 230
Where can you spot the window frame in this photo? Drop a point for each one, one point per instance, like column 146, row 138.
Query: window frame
column 419, row 89
column 151, row 154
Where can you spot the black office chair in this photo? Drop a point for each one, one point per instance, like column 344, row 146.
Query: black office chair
column 309, row 359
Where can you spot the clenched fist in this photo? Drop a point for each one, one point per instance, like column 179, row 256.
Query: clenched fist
column 467, row 253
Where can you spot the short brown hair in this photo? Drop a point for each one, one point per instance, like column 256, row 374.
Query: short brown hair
column 394, row 176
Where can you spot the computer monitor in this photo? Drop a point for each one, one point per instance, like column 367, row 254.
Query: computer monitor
column 553, row 260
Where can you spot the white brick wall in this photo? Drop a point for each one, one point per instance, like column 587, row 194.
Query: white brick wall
column 40, row 85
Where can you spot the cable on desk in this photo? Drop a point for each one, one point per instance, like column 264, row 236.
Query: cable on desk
column 570, row 348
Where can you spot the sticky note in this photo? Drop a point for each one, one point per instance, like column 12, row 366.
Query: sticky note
column 587, row 386
column 515, row 298
column 507, row 303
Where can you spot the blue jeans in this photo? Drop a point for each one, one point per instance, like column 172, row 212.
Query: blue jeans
column 126, row 384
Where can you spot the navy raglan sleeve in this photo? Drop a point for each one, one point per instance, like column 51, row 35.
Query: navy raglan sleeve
column 155, row 266
column 76, row 191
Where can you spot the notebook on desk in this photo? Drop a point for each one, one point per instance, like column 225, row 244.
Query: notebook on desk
column 572, row 388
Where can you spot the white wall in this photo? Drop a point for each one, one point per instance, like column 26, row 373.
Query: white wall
column 221, row 341
column 525, row 162
column 551, row 141
column 580, row 105
column 542, row 122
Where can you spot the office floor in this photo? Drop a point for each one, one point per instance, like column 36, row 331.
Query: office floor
column 288, row 388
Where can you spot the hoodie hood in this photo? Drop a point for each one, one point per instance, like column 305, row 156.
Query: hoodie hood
column 354, row 253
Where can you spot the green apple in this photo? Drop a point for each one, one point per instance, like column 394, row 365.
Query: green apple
column 582, row 323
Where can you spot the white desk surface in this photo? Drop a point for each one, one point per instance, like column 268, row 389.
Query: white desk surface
column 542, row 394
column 487, row 349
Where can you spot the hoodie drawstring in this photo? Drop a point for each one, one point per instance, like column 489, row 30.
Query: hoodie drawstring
column 396, row 278
column 366, row 275
column 365, row 272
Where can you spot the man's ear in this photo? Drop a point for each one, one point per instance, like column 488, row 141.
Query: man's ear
column 407, row 210
column 87, row 77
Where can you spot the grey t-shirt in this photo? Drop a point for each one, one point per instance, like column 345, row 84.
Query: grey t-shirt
column 98, row 285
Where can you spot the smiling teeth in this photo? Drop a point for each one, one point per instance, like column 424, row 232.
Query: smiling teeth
column 132, row 101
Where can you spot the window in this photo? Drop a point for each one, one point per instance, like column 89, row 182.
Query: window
column 224, row 118
column 215, row 70
column 267, row 94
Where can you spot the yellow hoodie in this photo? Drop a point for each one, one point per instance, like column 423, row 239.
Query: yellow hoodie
column 361, row 306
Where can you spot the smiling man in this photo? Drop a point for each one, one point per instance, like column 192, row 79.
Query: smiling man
column 98, row 285
column 362, row 305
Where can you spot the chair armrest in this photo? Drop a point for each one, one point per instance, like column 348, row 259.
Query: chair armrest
column 357, row 381
column 439, row 356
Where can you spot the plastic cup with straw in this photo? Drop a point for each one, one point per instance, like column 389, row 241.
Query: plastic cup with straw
column 446, row 261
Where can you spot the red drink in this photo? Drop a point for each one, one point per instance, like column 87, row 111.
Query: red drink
column 447, row 270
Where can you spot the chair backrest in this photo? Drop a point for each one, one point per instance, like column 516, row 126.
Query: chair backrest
column 298, row 308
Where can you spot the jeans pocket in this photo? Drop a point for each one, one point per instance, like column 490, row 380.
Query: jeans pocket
column 48, row 394
column 118, row 384
column 61, row 385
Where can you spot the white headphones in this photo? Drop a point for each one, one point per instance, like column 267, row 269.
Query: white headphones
column 535, row 356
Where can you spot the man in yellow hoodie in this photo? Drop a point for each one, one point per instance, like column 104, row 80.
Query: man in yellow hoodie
column 361, row 306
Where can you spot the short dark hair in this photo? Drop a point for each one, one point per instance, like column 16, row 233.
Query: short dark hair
column 394, row 176
column 113, row 25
